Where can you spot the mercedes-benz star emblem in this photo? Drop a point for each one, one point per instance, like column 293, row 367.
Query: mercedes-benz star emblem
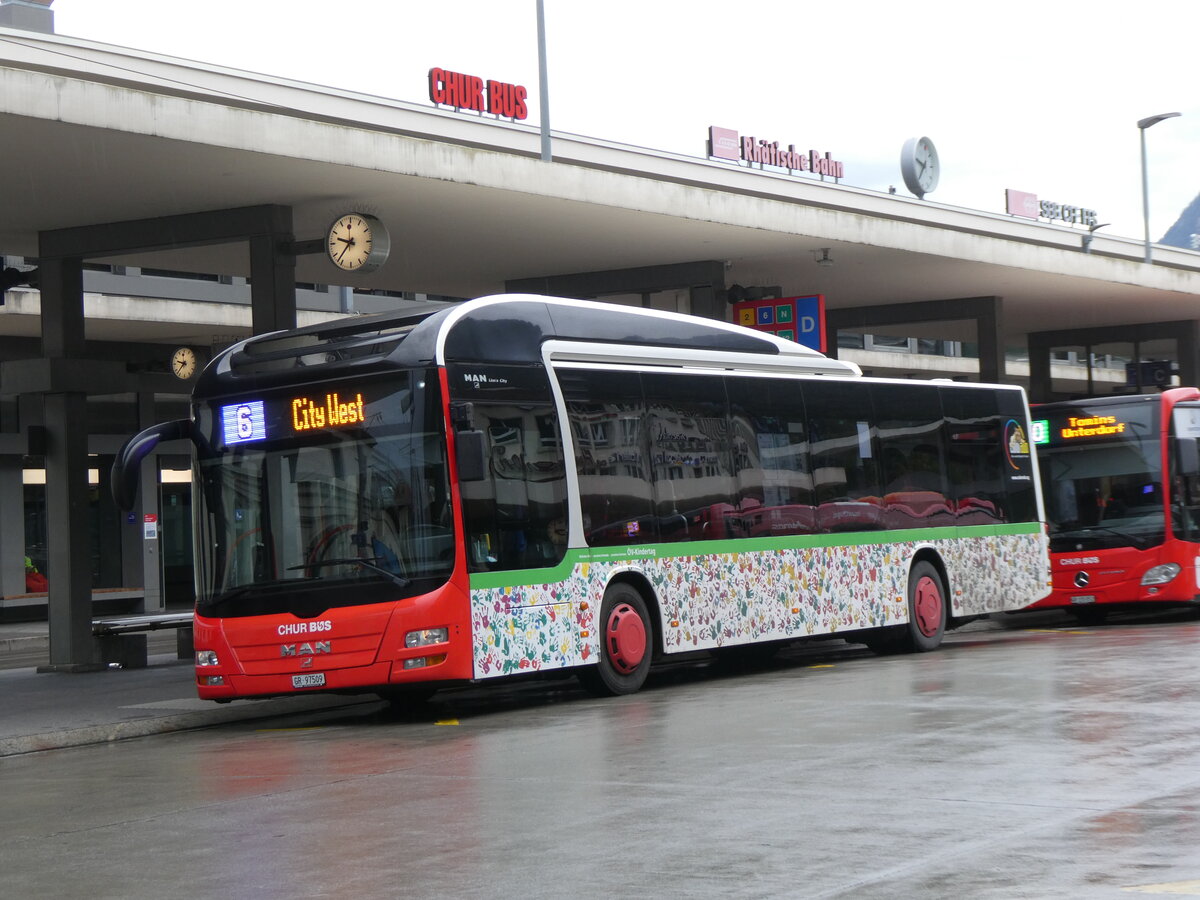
column 1082, row 579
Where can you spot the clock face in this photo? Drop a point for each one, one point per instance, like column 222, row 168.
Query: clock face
column 927, row 167
column 183, row 363
column 357, row 243
column 919, row 165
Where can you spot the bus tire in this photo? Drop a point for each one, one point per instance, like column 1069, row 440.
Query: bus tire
column 926, row 609
column 626, row 644
column 881, row 641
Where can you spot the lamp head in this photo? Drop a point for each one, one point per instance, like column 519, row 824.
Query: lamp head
column 1154, row 120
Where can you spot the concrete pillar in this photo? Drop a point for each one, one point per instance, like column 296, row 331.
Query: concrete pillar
column 1187, row 349
column 1039, row 370
column 12, row 527
column 68, row 554
column 989, row 330
column 70, row 603
column 273, row 276
column 707, row 302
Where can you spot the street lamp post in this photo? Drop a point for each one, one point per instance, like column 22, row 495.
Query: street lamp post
column 1143, row 124
column 543, row 82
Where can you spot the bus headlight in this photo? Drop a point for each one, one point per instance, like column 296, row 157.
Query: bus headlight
column 206, row 658
column 1160, row 574
column 435, row 636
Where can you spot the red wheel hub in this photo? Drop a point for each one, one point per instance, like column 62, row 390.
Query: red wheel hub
column 625, row 636
column 927, row 606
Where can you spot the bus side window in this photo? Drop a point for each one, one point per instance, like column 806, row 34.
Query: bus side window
column 1185, row 506
column 844, row 453
column 1018, row 468
column 1185, row 472
column 607, row 414
column 510, row 513
column 689, row 453
column 912, row 456
column 774, row 486
column 975, row 447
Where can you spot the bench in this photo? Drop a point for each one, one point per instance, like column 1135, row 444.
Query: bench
column 123, row 641
column 105, row 601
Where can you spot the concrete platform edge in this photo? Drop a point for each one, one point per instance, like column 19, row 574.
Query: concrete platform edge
column 236, row 712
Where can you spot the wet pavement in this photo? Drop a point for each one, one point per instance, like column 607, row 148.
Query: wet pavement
column 1028, row 758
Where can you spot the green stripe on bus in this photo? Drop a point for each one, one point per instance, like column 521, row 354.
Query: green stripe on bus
column 562, row 571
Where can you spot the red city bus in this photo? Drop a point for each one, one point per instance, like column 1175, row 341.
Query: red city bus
column 1121, row 484
column 523, row 484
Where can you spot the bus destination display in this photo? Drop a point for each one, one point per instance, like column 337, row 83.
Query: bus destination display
column 1072, row 428
column 256, row 420
column 334, row 413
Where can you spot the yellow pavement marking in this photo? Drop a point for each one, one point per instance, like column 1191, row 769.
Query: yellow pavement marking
column 1056, row 631
column 1185, row 888
column 446, row 722
column 821, row 666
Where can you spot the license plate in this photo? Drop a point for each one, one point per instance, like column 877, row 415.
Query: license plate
column 1082, row 598
column 309, row 679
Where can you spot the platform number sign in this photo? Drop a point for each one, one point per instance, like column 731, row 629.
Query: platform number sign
column 799, row 319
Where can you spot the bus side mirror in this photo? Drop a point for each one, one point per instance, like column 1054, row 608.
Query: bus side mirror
column 126, row 467
column 462, row 415
column 1189, row 456
column 471, row 455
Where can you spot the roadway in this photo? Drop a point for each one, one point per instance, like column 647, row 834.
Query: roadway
column 1028, row 757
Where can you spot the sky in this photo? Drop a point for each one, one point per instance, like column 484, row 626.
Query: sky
column 1042, row 97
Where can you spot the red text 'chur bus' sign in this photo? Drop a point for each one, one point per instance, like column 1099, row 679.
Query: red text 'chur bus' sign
column 725, row 143
column 472, row 93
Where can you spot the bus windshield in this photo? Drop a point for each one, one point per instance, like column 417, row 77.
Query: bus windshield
column 1102, row 476
column 325, row 495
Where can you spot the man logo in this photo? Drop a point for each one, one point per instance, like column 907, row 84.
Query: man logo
column 305, row 649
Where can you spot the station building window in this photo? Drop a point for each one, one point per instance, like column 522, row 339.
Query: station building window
column 1113, row 368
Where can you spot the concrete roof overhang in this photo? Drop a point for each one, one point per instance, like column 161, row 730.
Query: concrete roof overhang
column 95, row 134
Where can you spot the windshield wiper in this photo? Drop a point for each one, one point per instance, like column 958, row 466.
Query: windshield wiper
column 1141, row 543
column 367, row 563
column 247, row 590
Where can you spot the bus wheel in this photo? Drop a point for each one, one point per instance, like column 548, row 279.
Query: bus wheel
column 881, row 641
column 926, row 609
column 625, row 646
